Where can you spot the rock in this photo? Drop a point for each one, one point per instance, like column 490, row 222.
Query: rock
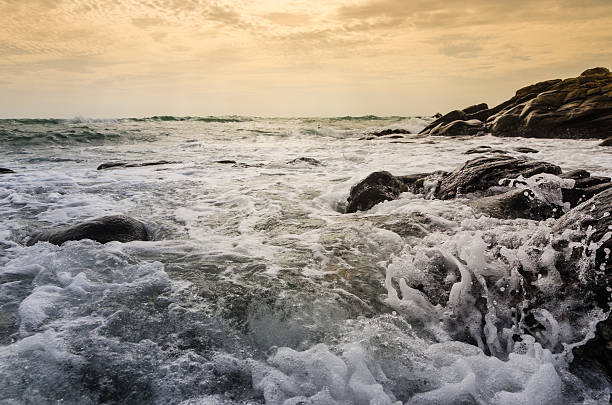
column 484, row 172
column 445, row 119
column 484, row 149
column 458, row 128
column 376, row 188
column 578, row 107
column 519, row 203
column 5, row 171
column 575, row 174
column 119, row 228
column 590, row 181
column 393, row 131
column 310, row 161
column 606, row 142
column 436, row 115
column 110, row 165
column 575, row 196
column 475, row 108
column 524, row 149
column 589, row 275
column 226, row 162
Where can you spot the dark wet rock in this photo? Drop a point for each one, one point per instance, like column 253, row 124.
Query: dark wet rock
column 518, row 203
column 590, row 272
column 445, row 119
column 606, row 142
column 475, row 108
column 484, row 172
column 310, row 161
column 436, row 115
column 5, row 171
column 110, row 165
column 590, row 181
column 524, row 149
column 575, row 174
column 458, row 128
column 578, row 107
column 119, row 228
column 226, row 162
column 483, row 149
column 376, row 188
column 393, row 131
column 575, row 196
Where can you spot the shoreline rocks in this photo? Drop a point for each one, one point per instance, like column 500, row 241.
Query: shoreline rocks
column 576, row 108
column 6, row 171
column 119, row 228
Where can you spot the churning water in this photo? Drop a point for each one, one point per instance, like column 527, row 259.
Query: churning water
column 256, row 288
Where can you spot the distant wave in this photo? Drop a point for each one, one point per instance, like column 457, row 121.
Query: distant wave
column 233, row 118
column 367, row 118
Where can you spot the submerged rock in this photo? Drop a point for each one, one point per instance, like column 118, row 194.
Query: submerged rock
column 110, row 165
column 376, row 188
column 484, row 149
column 484, row 172
column 524, row 149
column 606, row 142
column 119, row 228
column 310, row 161
column 393, row 131
column 5, row 171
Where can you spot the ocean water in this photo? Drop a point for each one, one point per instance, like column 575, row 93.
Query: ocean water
column 256, row 288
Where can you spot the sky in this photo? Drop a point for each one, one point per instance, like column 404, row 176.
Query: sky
column 133, row 58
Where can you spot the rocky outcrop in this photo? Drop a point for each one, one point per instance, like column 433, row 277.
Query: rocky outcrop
column 119, row 228
column 606, row 142
column 484, row 172
column 5, row 171
column 376, row 188
column 578, row 107
column 111, row 165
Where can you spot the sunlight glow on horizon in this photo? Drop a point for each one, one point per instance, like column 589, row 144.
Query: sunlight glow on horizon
column 99, row 58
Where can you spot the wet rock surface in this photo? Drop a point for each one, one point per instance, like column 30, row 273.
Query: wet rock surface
column 376, row 188
column 518, row 203
column 119, row 228
column 5, row 171
column 481, row 173
column 606, row 142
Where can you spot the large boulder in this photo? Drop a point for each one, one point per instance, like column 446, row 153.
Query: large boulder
column 475, row 108
column 445, row 119
column 119, row 228
column 583, row 236
column 484, row 172
column 376, row 188
column 458, row 128
column 578, row 107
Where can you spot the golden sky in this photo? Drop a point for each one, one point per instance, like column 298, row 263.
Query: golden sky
column 121, row 58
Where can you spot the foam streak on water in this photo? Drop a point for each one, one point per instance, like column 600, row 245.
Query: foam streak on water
column 256, row 289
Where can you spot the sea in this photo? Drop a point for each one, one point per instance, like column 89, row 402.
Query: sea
column 256, row 287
